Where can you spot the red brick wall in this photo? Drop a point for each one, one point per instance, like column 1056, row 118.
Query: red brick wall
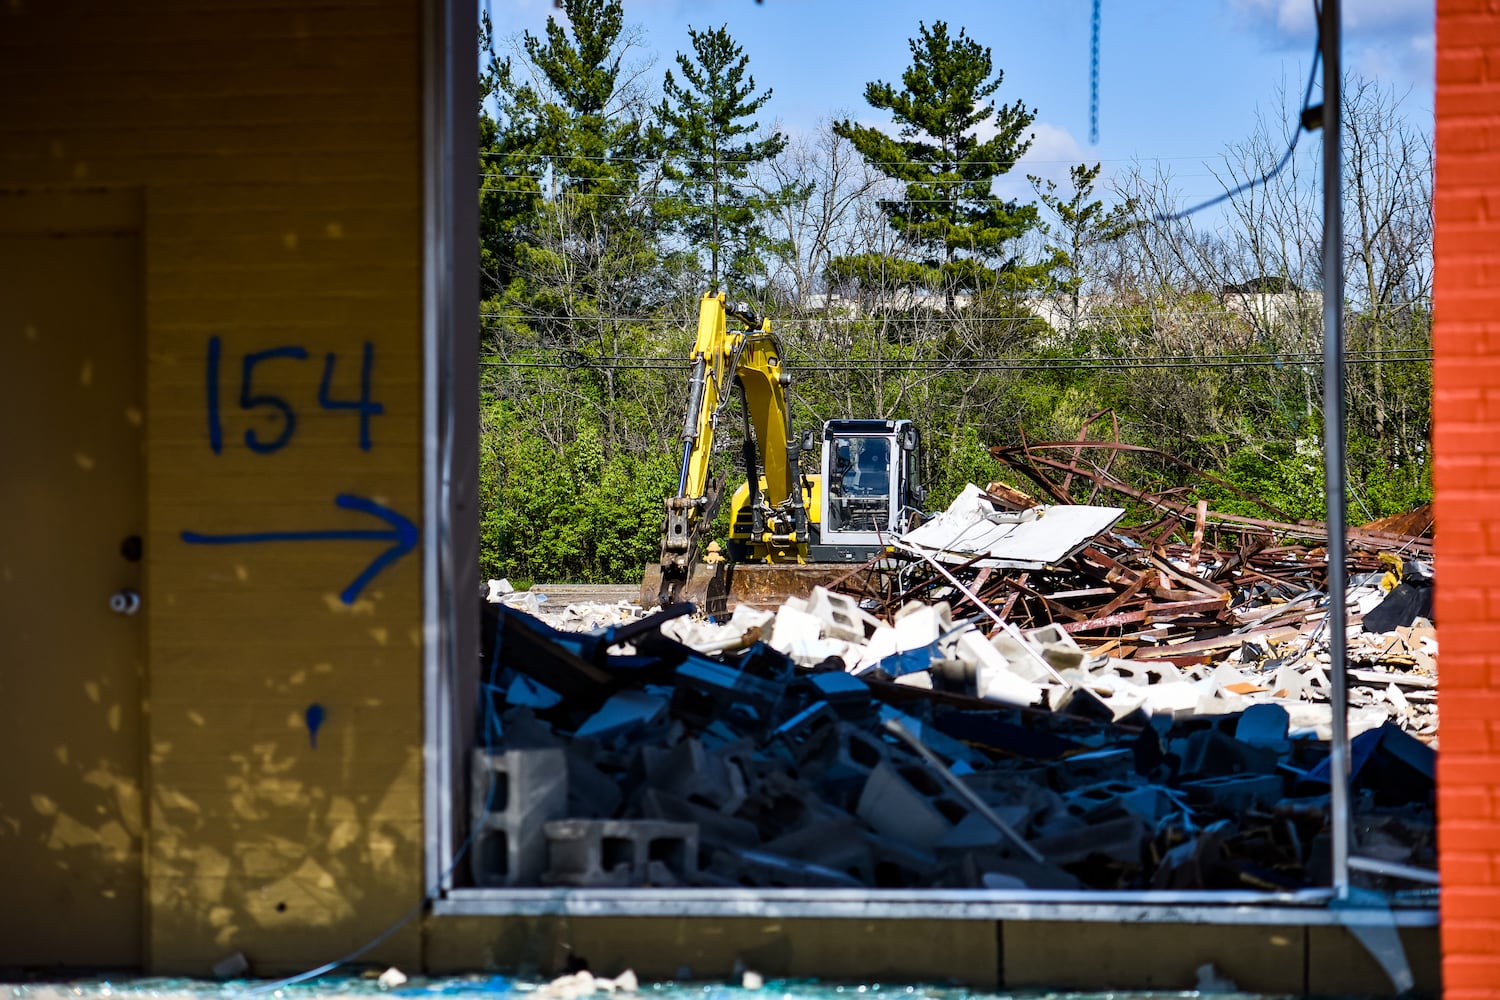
column 1466, row 442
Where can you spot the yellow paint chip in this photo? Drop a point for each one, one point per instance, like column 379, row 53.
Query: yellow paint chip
column 241, row 573
column 361, row 606
column 85, row 462
column 323, row 668
column 43, row 805
column 380, row 635
column 86, row 374
column 112, row 718
column 196, row 718
column 134, row 416
column 91, row 688
column 298, row 678
column 334, row 231
column 62, row 754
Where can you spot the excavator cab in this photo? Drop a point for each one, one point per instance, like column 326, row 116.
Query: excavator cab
column 870, row 475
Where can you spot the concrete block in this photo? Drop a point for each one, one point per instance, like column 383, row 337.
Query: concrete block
column 1236, row 793
column 847, row 694
column 897, row 810
column 843, row 755
column 1091, row 768
column 1210, row 753
column 622, row 713
column 840, row 615
column 714, row 828
column 1024, row 658
column 832, row 843
column 513, row 795
column 899, row 864
column 689, row 771
column 919, row 625
column 880, row 645
column 615, row 852
column 707, row 690
column 793, row 627
column 1171, row 698
column 592, row 794
column 1149, row 802
column 1264, row 726
column 952, row 750
column 1121, row 839
column 1052, row 635
column 1140, row 672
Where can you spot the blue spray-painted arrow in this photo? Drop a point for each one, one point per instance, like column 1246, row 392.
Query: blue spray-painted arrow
column 401, row 531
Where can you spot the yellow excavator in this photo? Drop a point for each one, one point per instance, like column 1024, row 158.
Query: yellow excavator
column 788, row 532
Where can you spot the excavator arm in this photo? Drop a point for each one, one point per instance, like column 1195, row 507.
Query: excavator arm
column 725, row 363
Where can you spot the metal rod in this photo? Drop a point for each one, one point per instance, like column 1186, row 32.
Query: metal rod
column 1004, row 625
column 1333, row 443
column 964, row 791
column 1394, row 868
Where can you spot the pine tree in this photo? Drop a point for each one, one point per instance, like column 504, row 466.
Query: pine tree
column 564, row 109
column 707, row 134
column 1084, row 227
column 949, row 211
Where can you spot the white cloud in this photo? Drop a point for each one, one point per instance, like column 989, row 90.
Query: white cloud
column 1054, row 151
column 1289, row 21
column 1391, row 41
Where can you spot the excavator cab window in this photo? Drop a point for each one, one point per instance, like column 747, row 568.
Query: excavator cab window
column 860, row 485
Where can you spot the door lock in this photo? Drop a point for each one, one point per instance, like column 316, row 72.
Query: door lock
column 125, row 602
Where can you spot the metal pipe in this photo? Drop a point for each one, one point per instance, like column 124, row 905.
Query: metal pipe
column 1333, row 444
column 1394, row 868
column 974, row 598
column 964, row 791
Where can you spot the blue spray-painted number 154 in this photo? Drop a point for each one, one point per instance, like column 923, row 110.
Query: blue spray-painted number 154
column 277, row 407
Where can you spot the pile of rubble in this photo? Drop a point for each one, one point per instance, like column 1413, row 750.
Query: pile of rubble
column 624, row 757
column 1019, row 694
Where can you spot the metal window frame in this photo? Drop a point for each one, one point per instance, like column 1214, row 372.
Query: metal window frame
column 450, row 577
column 450, row 420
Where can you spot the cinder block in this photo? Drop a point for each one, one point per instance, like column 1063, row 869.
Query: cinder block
column 513, row 795
column 840, row 615
column 1122, row 839
column 1146, row 801
column 897, row 810
column 690, row 772
column 706, row 690
column 617, row 852
column 1091, row 768
column 1236, row 792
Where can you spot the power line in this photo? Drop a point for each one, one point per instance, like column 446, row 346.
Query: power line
column 642, row 319
column 1308, row 365
column 1291, row 147
column 874, row 163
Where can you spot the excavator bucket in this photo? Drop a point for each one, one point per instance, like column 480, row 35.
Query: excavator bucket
column 718, row 590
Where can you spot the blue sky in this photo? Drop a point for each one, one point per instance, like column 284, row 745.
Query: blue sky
column 1179, row 79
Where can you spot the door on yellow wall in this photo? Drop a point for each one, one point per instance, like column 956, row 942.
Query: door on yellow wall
column 72, row 511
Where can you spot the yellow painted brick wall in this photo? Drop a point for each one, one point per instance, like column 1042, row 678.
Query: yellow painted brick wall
column 277, row 146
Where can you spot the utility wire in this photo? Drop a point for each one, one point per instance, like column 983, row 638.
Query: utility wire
column 1303, row 124
column 1307, row 366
